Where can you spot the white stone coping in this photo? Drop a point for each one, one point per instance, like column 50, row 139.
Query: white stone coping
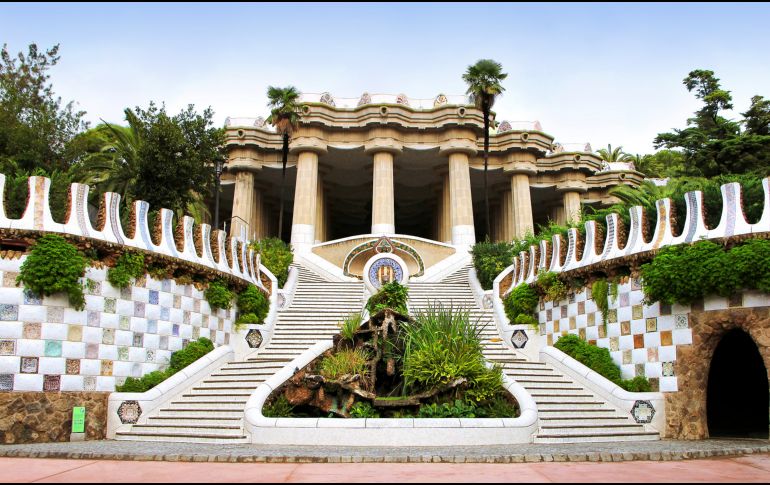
column 605, row 388
column 383, row 431
column 165, row 391
column 289, row 287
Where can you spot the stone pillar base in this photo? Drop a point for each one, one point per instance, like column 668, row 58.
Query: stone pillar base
column 463, row 235
column 383, row 229
column 302, row 237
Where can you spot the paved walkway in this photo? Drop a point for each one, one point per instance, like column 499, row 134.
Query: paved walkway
column 742, row 469
column 664, row 450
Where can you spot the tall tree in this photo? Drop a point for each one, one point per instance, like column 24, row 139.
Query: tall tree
column 483, row 79
column 162, row 159
column 35, row 126
column 712, row 144
column 617, row 155
column 284, row 116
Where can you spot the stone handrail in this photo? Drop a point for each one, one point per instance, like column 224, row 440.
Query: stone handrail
column 548, row 257
column 185, row 241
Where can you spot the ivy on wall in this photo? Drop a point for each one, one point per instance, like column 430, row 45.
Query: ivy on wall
column 54, row 266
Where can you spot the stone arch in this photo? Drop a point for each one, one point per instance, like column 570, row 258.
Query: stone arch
column 686, row 412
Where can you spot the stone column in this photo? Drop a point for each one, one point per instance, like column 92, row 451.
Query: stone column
column 571, row 206
column 507, row 216
column 522, row 206
column 256, row 216
column 305, row 195
column 319, row 213
column 383, row 213
column 461, row 202
column 446, row 208
column 243, row 204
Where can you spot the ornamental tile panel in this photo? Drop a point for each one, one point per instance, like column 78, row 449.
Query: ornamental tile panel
column 138, row 340
column 125, row 322
column 163, row 343
column 643, row 412
column 139, row 308
column 668, row 369
column 89, row 383
column 197, row 305
column 652, row 324
column 7, row 347
column 637, row 312
column 94, row 319
column 572, row 323
column 652, row 354
column 519, row 339
column 626, row 357
column 109, row 305
column 129, row 412
column 123, row 353
column 51, row 383
column 254, row 338
column 639, row 341
column 165, row 313
column 177, row 301
column 106, row 368
column 9, row 312
column 92, row 351
column 73, row 366
column 152, row 326
column 581, row 308
column 75, row 333
column 150, row 355
column 602, row 331
column 6, row 382
column 55, row 314
column 108, row 336
column 735, row 300
column 625, row 328
column 31, row 298
column 28, row 365
column 9, row 279
column 591, row 319
column 666, row 338
column 564, row 311
column 665, row 309
column 153, row 297
column 126, row 293
column 53, row 348
column 639, row 370
column 624, row 300
column 548, row 315
column 614, row 344
column 681, row 322
column 612, row 316
column 175, row 330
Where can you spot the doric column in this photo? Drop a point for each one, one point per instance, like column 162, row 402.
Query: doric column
column 256, row 216
column 305, row 195
column 319, row 213
column 507, row 216
column 243, row 204
column 522, row 206
column 461, row 202
column 383, row 213
column 446, row 209
column 571, row 206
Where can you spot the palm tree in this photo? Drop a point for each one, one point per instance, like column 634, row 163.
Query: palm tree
column 617, row 155
column 483, row 79
column 284, row 116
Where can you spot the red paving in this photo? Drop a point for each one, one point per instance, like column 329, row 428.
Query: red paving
column 754, row 468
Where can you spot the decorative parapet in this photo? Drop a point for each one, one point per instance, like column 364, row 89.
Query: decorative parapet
column 213, row 249
column 582, row 254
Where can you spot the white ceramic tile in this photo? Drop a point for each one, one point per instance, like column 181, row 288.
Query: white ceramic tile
column 185, row 331
column 151, row 341
column 653, row 369
column 10, row 364
column 125, row 307
column 12, row 296
column 71, row 383
column 667, row 353
column 13, row 330
column 581, row 321
column 32, row 313
column 30, row 348
column 627, row 371
column 152, row 312
column 104, row 383
column 715, row 303
column 90, row 367
column 639, row 356
column 53, row 331
column 73, row 350
column 613, row 329
column 121, row 369
column 124, row 338
column 108, row 352
column 176, row 315
column 626, row 342
column 676, row 308
column 638, row 326
column 109, row 320
column 74, row 316
column 94, row 303
column 92, row 335
column 591, row 307
column 187, row 303
column 140, row 294
column 682, row 336
column 138, row 324
column 164, row 328
column 52, row 365
column 668, row 384
column 666, row 322
column 137, row 354
column 28, row 382
column 624, row 314
column 652, row 339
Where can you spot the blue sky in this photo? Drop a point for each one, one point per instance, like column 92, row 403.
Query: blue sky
column 602, row 73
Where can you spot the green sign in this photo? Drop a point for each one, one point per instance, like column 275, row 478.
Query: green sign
column 78, row 420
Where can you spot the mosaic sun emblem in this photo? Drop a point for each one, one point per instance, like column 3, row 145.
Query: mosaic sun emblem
column 385, row 270
column 254, row 339
column 519, row 339
column 643, row 412
column 129, row 412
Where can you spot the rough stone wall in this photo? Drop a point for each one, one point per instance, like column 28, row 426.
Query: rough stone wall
column 43, row 417
column 686, row 416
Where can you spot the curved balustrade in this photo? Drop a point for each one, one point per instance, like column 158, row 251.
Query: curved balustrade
column 592, row 250
column 188, row 242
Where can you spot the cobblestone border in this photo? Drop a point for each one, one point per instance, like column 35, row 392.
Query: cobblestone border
column 426, row 457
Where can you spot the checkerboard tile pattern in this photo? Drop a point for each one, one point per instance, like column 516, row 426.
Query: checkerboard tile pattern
column 47, row 345
column 642, row 339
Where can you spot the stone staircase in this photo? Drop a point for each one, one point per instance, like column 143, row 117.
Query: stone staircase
column 211, row 411
column 569, row 413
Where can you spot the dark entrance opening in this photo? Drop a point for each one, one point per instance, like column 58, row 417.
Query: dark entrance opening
column 737, row 395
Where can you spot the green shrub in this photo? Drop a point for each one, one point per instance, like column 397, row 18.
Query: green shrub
column 458, row 409
column 363, row 410
column 144, row 383
column 498, row 407
column 253, row 305
column 600, row 294
column 392, row 295
column 599, row 360
column 685, row 273
column 194, row 351
column 219, row 295
column 551, row 287
column 276, row 256
column 278, row 408
column 54, row 266
column 128, row 267
column 350, row 325
column 524, row 319
column 490, row 259
column 521, row 300
column 440, row 346
column 345, row 362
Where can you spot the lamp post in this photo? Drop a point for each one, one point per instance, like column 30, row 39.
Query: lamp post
column 218, row 167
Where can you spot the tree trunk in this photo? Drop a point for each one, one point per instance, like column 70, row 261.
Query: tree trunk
column 485, row 107
column 283, row 183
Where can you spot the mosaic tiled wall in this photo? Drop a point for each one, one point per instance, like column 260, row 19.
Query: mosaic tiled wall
column 642, row 339
column 46, row 345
